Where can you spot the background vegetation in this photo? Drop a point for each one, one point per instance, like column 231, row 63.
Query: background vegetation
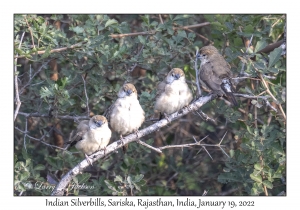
column 70, row 67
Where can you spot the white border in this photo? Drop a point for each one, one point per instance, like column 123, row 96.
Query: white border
column 153, row 6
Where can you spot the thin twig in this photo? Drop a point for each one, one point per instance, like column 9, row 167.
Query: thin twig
column 188, row 145
column 133, row 34
column 55, row 50
column 149, row 146
column 154, row 31
column 161, row 20
column 30, row 30
column 64, row 117
column 205, row 117
column 37, row 72
column 40, row 139
column 201, row 36
column 264, row 98
column 86, row 96
column 18, row 102
column 197, row 74
column 25, row 133
column 267, row 88
column 137, row 55
column 207, row 152
column 192, row 26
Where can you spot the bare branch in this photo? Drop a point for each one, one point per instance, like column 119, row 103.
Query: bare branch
column 59, row 189
column 55, row 50
column 86, row 96
column 30, row 32
column 64, row 117
column 30, row 79
column 264, row 98
column 149, row 146
column 137, row 55
column 161, row 20
column 192, row 26
column 197, row 74
column 40, row 139
column 18, row 102
column 201, row 36
column 154, row 31
column 133, row 34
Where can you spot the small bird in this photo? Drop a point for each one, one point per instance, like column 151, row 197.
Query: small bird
column 126, row 114
column 215, row 73
column 173, row 93
column 92, row 135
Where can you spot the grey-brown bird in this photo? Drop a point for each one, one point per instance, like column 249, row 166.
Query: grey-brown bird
column 126, row 114
column 215, row 73
column 173, row 93
column 92, row 135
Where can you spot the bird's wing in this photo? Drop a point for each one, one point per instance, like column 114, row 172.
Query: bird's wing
column 82, row 128
column 160, row 88
column 210, row 77
column 221, row 66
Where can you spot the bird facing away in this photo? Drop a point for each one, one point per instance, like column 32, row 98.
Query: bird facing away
column 172, row 93
column 215, row 73
column 92, row 135
column 126, row 114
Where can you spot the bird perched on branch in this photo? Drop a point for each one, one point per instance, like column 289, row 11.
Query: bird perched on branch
column 126, row 114
column 172, row 93
column 215, row 73
column 92, row 135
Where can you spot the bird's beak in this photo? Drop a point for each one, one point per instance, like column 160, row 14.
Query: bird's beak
column 128, row 92
column 177, row 76
column 99, row 123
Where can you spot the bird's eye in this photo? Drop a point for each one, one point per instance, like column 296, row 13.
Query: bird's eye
column 172, row 74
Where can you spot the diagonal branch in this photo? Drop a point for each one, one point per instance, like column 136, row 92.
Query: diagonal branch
column 30, row 79
column 55, row 50
column 59, row 189
column 154, row 31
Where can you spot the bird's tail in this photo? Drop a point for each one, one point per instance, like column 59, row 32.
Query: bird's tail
column 228, row 88
column 232, row 98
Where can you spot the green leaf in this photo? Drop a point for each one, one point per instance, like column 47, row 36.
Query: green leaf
column 179, row 17
column 28, row 161
column 138, row 178
column 260, row 45
column 274, row 56
column 39, row 167
column 78, row 30
column 110, row 22
column 229, row 26
column 47, row 52
column 268, row 184
column 256, row 178
column 182, row 33
column 145, row 19
column 109, row 185
column 258, row 167
column 129, row 180
column 118, row 179
column 142, row 39
column 277, row 175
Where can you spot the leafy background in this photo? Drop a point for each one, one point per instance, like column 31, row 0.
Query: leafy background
column 90, row 62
